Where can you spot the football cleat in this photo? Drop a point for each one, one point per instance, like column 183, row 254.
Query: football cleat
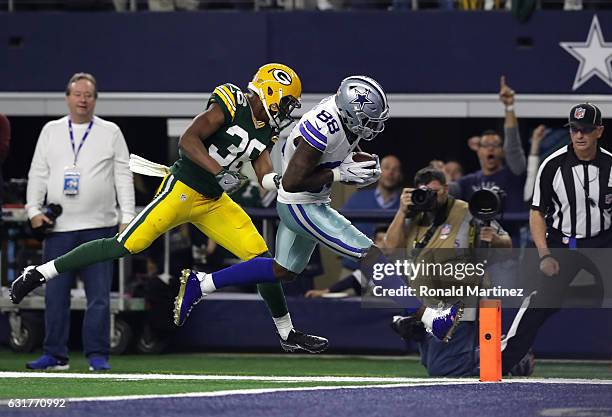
column 189, row 295
column 446, row 321
column 408, row 328
column 301, row 341
column 29, row 279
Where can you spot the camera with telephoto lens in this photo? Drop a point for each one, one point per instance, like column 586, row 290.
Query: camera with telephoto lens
column 52, row 211
column 423, row 199
column 486, row 204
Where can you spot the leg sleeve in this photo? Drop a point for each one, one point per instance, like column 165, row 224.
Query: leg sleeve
column 90, row 253
column 274, row 297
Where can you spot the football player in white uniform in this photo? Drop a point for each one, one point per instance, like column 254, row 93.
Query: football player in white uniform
column 319, row 151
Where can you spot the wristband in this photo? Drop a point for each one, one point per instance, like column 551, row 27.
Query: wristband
column 510, row 108
column 547, row 256
column 268, row 182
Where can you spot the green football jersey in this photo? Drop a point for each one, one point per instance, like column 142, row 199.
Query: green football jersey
column 239, row 140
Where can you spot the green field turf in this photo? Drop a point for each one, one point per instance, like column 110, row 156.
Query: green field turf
column 234, row 364
column 60, row 388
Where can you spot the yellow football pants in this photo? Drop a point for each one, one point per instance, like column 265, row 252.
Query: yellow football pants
column 176, row 203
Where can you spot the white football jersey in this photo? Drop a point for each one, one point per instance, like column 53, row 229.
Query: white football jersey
column 321, row 128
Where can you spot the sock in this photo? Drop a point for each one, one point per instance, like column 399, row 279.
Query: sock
column 207, row 285
column 48, row 270
column 90, row 253
column 428, row 316
column 283, row 325
column 274, row 297
column 253, row 271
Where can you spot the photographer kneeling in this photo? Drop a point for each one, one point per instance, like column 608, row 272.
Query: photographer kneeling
column 428, row 218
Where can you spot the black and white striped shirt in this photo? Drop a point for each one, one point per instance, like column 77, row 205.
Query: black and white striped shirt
column 575, row 195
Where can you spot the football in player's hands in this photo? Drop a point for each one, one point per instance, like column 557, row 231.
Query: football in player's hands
column 357, row 168
column 363, row 157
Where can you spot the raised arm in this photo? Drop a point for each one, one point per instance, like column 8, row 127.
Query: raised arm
column 513, row 148
column 533, row 161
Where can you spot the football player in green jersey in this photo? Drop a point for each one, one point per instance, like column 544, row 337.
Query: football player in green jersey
column 236, row 127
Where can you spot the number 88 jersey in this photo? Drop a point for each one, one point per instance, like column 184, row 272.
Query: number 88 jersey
column 320, row 128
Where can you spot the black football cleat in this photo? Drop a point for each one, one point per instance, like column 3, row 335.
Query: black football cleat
column 29, row 279
column 408, row 328
column 301, row 341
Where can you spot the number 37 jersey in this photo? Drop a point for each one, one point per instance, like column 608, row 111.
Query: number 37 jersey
column 320, row 128
column 241, row 139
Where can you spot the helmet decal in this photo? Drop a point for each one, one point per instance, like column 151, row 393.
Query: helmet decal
column 281, row 76
column 361, row 99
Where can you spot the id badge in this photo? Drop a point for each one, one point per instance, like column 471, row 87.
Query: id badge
column 72, row 178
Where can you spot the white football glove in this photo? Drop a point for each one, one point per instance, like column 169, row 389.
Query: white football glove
column 355, row 172
column 375, row 175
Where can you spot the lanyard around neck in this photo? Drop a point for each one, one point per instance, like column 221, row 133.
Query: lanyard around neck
column 76, row 151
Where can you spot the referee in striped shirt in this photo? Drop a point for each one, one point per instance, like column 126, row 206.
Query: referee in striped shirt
column 573, row 190
column 571, row 208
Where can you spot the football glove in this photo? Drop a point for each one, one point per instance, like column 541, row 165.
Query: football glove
column 231, row 181
column 375, row 175
column 355, row 172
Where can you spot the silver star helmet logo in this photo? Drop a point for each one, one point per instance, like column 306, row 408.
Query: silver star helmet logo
column 362, row 99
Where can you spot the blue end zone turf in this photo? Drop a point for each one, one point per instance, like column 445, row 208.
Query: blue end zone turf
column 516, row 399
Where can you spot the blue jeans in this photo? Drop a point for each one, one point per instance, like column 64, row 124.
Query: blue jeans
column 455, row 358
column 97, row 279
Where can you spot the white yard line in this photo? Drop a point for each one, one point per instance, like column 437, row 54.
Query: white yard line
column 388, row 383
column 322, row 379
column 186, row 377
column 416, row 382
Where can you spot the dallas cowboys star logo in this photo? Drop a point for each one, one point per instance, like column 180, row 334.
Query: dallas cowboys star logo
column 362, row 99
column 595, row 56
